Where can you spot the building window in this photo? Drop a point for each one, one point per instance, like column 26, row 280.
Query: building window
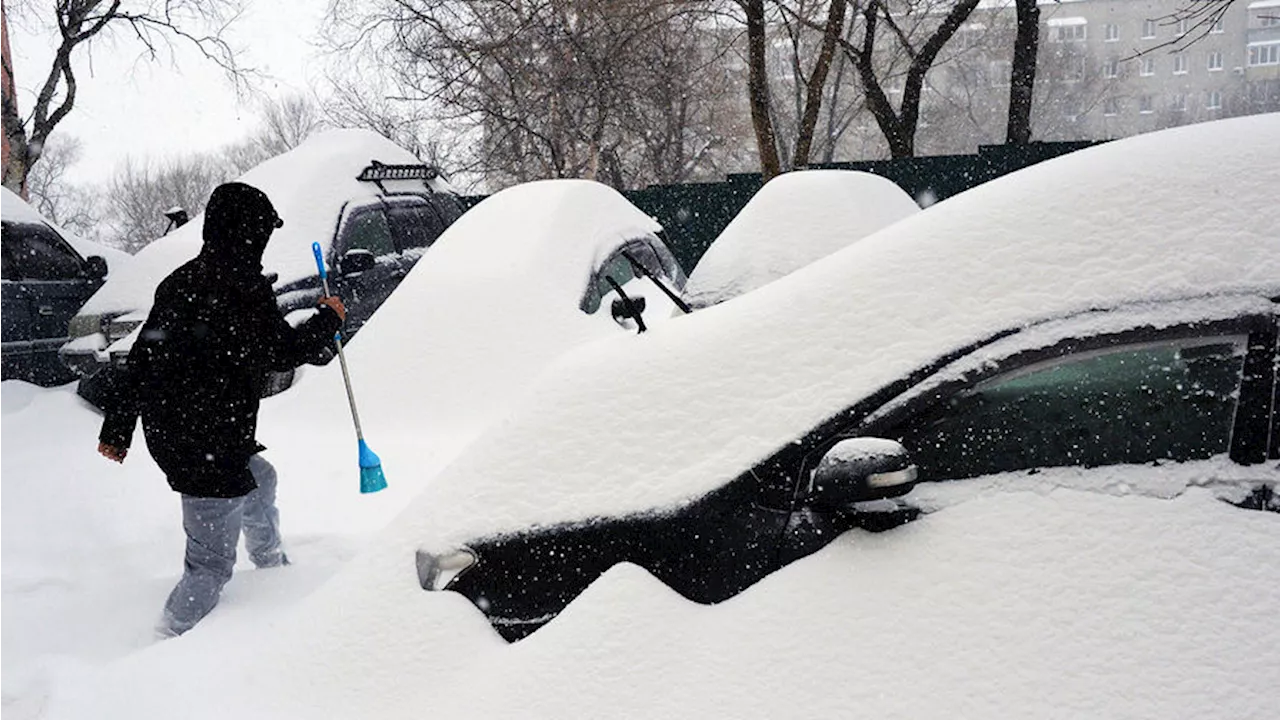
column 1217, row 27
column 1146, row 105
column 1264, row 54
column 1074, row 72
column 1001, row 73
column 1179, row 103
column 1215, row 60
column 1113, row 32
column 973, row 35
column 1148, row 67
column 1148, row 29
column 1180, row 63
column 1269, row 18
column 1214, row 100
column 1111, row 107
column 1111, row 68
column 1182, row 27
column 1076, row 32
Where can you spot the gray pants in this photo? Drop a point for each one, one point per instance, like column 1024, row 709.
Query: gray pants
column 213, row 527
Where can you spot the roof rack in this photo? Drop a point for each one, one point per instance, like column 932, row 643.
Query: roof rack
column 377, row 172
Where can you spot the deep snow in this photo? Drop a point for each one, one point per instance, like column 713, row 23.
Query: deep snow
column 1127, row 593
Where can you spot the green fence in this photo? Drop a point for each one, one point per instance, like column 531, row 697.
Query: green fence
column 693, row 214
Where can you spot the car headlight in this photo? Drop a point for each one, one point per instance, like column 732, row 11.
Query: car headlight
column 435, row 572
column 118, row 329
column 82, row 325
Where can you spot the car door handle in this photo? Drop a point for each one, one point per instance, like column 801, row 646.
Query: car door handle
column 45, row 310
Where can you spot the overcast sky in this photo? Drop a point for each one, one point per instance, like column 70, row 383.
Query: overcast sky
column 126, row 105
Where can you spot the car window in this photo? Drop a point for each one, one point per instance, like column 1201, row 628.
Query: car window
column 616, row 267
column 660, row 264
column 33, row 252
column 414, row 226
column 1132, row 404
column 9, row 261
column 368, row 229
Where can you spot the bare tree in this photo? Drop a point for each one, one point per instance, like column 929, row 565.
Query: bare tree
column 154, row 24
column 52, row 193
column 285, row 123
column 544, row 88
column 758, row 87
column 813, row 31
column 1026, row 47
column 355, row 98
column 140, row 192
column 936, row 23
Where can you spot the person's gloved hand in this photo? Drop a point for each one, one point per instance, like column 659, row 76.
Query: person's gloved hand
column 334, row 303
column 111, row 452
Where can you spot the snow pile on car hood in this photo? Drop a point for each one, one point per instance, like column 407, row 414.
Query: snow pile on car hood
column 653, row 421
column 308, row 186
column 795, row 219
column 17, row 210
column 493, row 301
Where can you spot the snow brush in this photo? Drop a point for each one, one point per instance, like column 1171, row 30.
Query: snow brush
column 371, row 477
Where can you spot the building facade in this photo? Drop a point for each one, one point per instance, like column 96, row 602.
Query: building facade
column 7, row 87
column 1159, row 66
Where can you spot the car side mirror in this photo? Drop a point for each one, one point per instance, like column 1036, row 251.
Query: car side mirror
column 622, row 311
column 95, row 267
column 859, row 469
column 356, row 261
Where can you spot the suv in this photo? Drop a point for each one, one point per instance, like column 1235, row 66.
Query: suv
column 375, row 242
column 45, row 282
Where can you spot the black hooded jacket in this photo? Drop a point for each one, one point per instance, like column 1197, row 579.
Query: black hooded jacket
column 202, row 359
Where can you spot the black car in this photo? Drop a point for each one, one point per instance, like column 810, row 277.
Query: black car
column 1096, row 389
column 376, row 241
column 45, row 283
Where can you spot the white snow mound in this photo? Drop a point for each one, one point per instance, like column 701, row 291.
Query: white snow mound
column 795, row 219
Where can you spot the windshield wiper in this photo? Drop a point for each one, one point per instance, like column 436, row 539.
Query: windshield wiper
column 638, row 267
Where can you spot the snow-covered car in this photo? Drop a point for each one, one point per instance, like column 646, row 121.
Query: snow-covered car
column 1040, row 323
column 524, row 276
column 795, row 219
column 49, row 273
column 373, row 207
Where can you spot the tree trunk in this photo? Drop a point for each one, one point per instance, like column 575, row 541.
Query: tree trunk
column 758, row 90
column 818, row 80
column 1022, row 80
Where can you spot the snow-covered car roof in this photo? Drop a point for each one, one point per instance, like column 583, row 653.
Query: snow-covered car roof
column 795, row 219
column 17, row 210
column 653, row 421
column 496, row 300
column 308, row 185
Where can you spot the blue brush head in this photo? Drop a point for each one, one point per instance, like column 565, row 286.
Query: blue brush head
column 371, row 477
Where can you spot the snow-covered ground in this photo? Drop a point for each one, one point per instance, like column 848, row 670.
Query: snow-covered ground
column 1130, row 593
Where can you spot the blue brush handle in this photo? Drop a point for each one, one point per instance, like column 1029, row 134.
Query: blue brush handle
column 315, row 248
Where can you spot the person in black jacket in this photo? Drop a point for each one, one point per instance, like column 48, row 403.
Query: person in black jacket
column 195, row 375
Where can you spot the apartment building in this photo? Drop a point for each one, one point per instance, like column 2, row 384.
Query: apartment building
column 1151, row 65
